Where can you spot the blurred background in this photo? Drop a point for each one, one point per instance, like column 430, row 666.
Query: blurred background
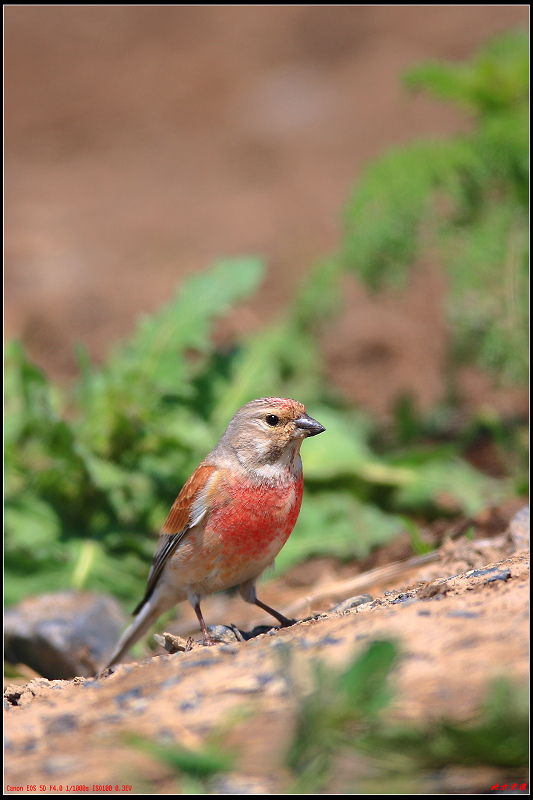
column 144, row 144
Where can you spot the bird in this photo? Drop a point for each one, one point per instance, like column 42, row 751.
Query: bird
column 231, row 518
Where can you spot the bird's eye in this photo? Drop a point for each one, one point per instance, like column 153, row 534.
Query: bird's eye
column 272, row 420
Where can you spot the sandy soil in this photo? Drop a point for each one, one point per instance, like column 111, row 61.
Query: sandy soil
column 460, row 623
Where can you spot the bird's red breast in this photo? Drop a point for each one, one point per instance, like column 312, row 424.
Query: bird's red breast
column 250, row 518
column 244, row 529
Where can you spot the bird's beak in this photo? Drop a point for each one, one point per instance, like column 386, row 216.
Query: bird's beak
column 308, row 425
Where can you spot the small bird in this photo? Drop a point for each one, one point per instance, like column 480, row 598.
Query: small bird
column 232, row 517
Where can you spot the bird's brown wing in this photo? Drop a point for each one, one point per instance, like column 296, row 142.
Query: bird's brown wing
column 182, row 516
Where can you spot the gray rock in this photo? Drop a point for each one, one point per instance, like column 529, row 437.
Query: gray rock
column 351, row 602
column 63, row 635
column 519, row 529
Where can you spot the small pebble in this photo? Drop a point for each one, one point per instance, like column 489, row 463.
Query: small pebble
column 464, row 614
column 351, row 602
column 62, row 724
column 404, row 598
column 503, row 575
column 519, row 529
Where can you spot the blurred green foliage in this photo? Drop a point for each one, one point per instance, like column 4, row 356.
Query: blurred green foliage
column 90, row 476
column 464, row 199
column 91, row 472
column 326, row 717
column 193, row 768
column 345, row 723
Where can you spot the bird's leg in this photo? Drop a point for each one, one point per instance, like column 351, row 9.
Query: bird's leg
column 283, row 621
column 194, row 600
column 248, row 594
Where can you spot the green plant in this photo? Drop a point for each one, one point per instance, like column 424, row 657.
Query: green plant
column 347, row 721
column 193, row 767
column 497, row 734
column 328, row 717
column 91, row 472
column 465, row 199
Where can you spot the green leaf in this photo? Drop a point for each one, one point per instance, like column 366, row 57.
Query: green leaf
column 30, row 523
column 200, row 763
column 341, row 450
column 365, row 680
column 336, row 523
column 496, row 78
column 450, row 485
column 162, row 339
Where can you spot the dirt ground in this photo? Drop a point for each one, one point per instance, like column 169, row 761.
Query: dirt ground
column 140, row 145
column 460, row 622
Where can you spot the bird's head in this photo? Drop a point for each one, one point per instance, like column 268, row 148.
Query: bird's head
column 269, row 431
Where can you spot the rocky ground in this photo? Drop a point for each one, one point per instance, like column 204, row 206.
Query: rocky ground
column 461, row 619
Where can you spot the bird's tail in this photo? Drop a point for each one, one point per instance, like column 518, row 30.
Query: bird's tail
column 151, row 610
